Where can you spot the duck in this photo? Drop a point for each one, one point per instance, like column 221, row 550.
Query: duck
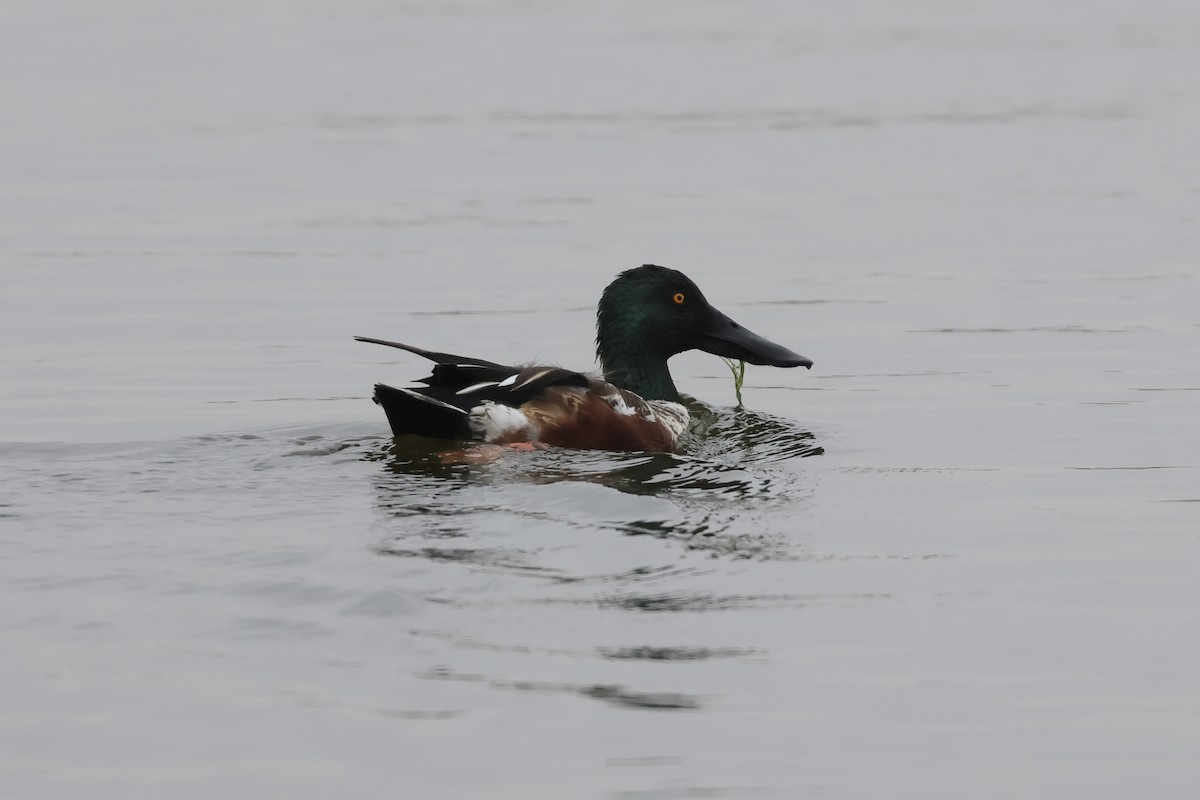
column 646, row 315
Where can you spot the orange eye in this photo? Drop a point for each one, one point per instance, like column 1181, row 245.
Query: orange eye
column 679, row 298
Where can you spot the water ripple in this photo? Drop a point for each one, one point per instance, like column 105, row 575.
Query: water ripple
column 737, row 469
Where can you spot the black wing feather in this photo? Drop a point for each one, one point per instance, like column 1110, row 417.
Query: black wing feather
column 458, row 384
column 441, row 358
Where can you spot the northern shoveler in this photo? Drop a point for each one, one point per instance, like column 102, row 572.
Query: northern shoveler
column 646, row 315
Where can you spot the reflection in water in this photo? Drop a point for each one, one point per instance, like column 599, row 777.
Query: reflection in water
column 651, row 653
column 611, row 693
column 711, row 497
column 678, row 602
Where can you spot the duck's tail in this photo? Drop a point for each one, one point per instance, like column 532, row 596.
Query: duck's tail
column 410, row 412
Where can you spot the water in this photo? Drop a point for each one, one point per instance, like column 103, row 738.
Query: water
column 957, row 559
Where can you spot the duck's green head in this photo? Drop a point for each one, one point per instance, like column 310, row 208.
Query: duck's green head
column 650, row 313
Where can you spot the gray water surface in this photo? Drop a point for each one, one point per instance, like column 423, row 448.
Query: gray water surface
column 958, row 558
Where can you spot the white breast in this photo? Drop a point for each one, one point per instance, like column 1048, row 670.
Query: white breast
column 673, row 415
